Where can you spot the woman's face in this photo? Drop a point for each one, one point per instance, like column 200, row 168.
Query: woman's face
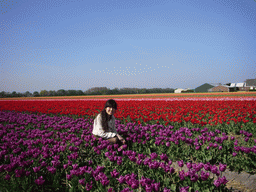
column 110, row 110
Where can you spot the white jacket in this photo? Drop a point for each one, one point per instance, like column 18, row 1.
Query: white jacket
column 98, row 129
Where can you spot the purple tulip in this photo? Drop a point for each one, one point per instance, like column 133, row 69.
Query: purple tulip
column 194, row 177
column 214, row 169
column 184, row 189
column 189, row 165
column 196, row 167
column 204, row 175
column 88, row 186
column 52, row 170
column 172, row 170
column 139, row 161
column 19, row 173
column 153, row 155
column 181, row 163
column 246, row 149
column 40, row 180
column 215, row 145
column 149, row 188
column 237, row 148
column 141, row 156
column 223, row 180
column 105, row 182
column 111, row 190
column 222, row 167
column 166, row 190
column 135, row 184
column 121, row 179
column 182, row 175
column 114, row 173
column 154, row 165
column 65, row 166
column 132, row 158
column 119, row 160
column 82, row 181
column 36, row 169
column 27, row 173
column 7, row 177
column 217, row 183
column 55, row 163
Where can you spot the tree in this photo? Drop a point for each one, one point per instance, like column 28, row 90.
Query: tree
column 27, row 94
column 36, row 94
column 3, row 94
column 61, row 92
column 80, row 92
column 71, row 92
column 115, row 91
column 52, row 93
column 43, row 93
column 109, row 92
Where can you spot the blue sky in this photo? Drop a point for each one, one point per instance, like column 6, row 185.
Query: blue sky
column 78, row 44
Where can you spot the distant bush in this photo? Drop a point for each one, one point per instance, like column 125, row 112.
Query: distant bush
column 188, row 91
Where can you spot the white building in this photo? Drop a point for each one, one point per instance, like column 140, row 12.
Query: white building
column 240, row 85
column 178, row 90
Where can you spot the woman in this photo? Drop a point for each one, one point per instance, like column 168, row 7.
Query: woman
column 104, row 124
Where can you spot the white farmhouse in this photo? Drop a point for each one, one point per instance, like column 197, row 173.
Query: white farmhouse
column 178, row 90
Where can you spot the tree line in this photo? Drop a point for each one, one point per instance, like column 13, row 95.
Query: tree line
column 91, row 91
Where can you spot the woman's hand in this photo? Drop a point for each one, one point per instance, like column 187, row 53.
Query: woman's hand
column 121, row 138
column 123, row 141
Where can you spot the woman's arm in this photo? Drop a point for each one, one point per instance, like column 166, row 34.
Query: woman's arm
column 114, row 130
column 98, row 129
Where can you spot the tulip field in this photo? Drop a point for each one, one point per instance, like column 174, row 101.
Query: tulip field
column 47, row 145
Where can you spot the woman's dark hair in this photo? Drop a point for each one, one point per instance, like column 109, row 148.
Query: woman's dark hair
column 106, row 117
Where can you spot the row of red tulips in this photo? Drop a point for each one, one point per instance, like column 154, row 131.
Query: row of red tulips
column 201, row 112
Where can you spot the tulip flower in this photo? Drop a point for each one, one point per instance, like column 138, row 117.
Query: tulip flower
column 121, row 179
column 52, row 170
column 135, row 184
column 82, row 181
column 148, row 188
column 153, row 155
column 114, row 173
column 194, row 177
column 88, row 186
column 36, row 169
column 180, row 163
column 40, row 180
column 182, row 175
column 184, row 189
column 166, row 190
column 7, row 177
column 204, row 175
column 111, row 190
column 222, row 167
column 217, row 183
column 139, row 161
